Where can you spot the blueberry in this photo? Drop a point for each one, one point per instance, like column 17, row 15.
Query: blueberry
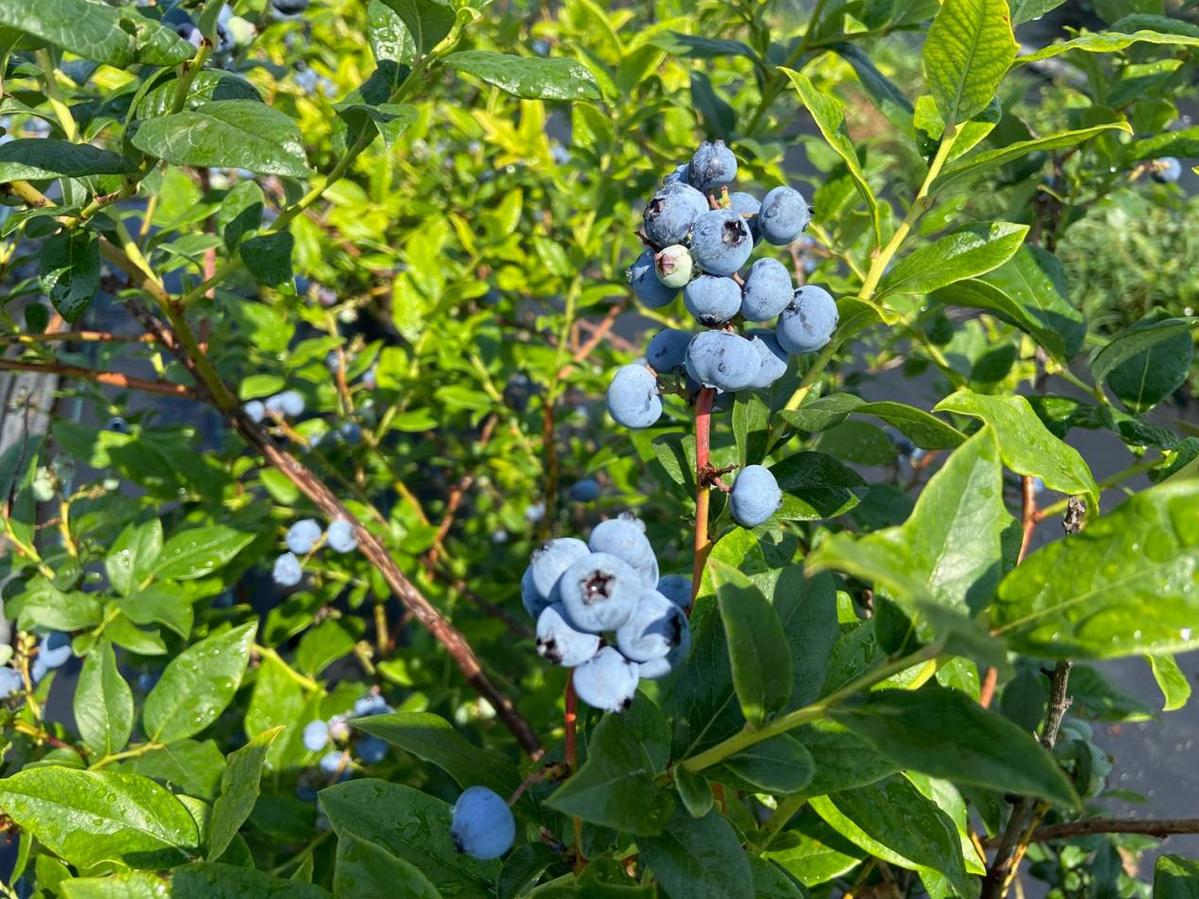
column 332, row 761
column 284, row 10
column 712, row 167
column 371, row 750
column 38, row 670
column 673, row 266
column 643, row 278
column 667, row 351
column 287, row 403
column 549, row 562
column 608, row 681
column 350, row 432
column 599, row 592
column 585, row 491
column 287, row 571
column 712, row 300
column 721, row 242
column 316, row 736
column 653, row 630
column 558, row 641
column 371, row 704
column 633, row 399
column 676, row 588
column 482, row 825
column 302, row 536
column 55, row 649
column 784, row 215
column 255, row 411
column 10, row 682
column 532, row 600
column 117, row 424
column 535, row 513
column 773, row 359
column 624, row 537
column 656, row 668
column 808, row 322
column 671, row 213
column 755, row 496
column 747, row 206
column 723, row 360
column 679, row 175
column 767, row 291
column 338, row 729
column 341, row 536
column 1166, row 170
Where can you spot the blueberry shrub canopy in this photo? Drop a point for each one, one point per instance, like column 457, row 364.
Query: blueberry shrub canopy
column 704, row 450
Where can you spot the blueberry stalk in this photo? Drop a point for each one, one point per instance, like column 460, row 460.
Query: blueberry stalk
column 703, row 440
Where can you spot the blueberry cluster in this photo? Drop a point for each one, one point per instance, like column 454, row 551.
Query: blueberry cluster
column 305, row 537
column 699, row 238
column 319, row 735
column 603, row 610
column 288, row 404
column 53, row 652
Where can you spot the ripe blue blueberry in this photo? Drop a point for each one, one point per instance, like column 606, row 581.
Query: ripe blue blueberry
column 633, row 399
column 117, row 424
column 712, row 167
column 723, row 360
column 289, row 403
column 807, row 324
column 284, row 10
column 316, row 736
column 667, row 351
column 332, row 761
column 371, row 750
column 772, row 357
column 678, row 175
column 755, row 496
column 533, row 601
column 643, row 278
column 559, row 642
column 767, row 291
column 287, row 571
column 38, row 670
column 656, row 668
column 341, row 536
column 671, row 213
column 624, row 537
column 1166, row 170
column 721, row 241
column 302, row 536
column 747, row 206
column 673, row 266
column 255, row 411
column 481, row 824
column 371, row 704
column 10, row 682
column 350, row 432
column 549, row 562
column 784, row 216
column 712, row 300
column 608, row 681
column 653, row 630
column 585, row 491
column 55, row 649
column 676, row 588
column 599, row 592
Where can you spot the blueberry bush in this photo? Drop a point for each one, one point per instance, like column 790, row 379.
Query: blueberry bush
column 586, row 450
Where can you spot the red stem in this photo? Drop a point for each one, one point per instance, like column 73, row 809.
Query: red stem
column 703, row 469
column 570, row 721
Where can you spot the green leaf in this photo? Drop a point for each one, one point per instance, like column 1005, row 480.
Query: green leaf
column 1125, row 585
column 690, row 46
column 615, row 786
column 968, row 51
column 815, row 854
column 843, row 760
column 758, row 651
column 779, row 766
column 428, row 21
column 123, row 885
column 165, row 604
column 132, row 555
column 924, row 430
column 770, row 881
column 700, row 858
column 1029, row 291
column 390, row 119
column 1027, row 10
column 1175, row 687
column 1175, row 877
column 208, row 84
column 70, row 271
column 815, row 485
column 949, row 551
column 434, row 740
column 199, row 552
column 210, row 880
column 367, row 869
column 44, row 605
column 389, row 37
column 694, row 790
column 191, row 767
column 278, row 699
column 1110, row 41
column 92, row 817
column 1026, row 445
column 411, row 825
column 240, row 785
column 103, row 703
column 531, row 78
column 198, row 684
column 32, row 159
column 894, row 821
column 1141, row 365
column 960, row 173
column 829, row 116
column 116, row 36
column 240, row 134
column 860, row 442
column 968, row 253
column 267, row 258
column 751, row 426
column 240, row 213
column 946, row 734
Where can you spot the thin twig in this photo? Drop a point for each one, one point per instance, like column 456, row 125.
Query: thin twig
column 108, row 378
column 1161, row 828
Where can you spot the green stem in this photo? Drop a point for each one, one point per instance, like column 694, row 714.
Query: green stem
column 751, row 737
column 306, row 682
column 132, row 753
column 54, row 96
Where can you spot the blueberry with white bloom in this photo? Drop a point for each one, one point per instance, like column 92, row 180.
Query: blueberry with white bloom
column 316, row 736
column 808, row 323
column 302, row 536
column 560, row 642
column 481, row 824
column 287, row 571
column 608, row 681
column 784, row 215
column 755, row 496
column 371, row 750
column 341, row 536
column 255, row 411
